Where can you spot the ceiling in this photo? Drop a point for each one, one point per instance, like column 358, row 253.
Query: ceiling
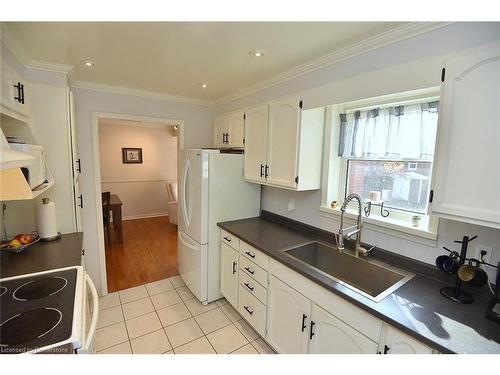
column 174, row 57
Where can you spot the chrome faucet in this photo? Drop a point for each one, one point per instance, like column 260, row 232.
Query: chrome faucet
column 351, row 231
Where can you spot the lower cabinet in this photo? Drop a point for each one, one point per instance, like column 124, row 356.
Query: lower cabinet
column 330, row 335
column 287, row 318
column 229, row 258
column 396, row 342
column 271, row 298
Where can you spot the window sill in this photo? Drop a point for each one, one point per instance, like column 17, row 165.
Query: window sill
column 391, row 226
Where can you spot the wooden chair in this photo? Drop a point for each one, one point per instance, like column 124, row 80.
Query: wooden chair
column 106, row 200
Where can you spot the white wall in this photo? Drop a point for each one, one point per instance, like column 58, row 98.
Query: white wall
column 141, row 187
column 197, row 133
column 407, row 65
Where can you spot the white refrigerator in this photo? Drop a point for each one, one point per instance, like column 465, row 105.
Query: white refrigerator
column 211, row 189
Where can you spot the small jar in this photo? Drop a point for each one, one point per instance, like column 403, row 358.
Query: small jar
column 415, row 220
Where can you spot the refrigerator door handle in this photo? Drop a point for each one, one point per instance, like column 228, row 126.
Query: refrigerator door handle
column 183, row 205
column 187, row 244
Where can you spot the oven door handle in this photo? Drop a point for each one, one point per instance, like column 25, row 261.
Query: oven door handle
column 95, row 313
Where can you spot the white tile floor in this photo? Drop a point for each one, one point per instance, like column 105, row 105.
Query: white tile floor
column 165, row 317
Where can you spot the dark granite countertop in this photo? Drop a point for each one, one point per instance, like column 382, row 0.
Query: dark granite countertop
column 416, row 308
column 43, row 256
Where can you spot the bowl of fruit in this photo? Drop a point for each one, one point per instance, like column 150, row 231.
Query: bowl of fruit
column 20, row 242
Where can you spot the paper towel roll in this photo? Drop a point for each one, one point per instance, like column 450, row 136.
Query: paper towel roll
column 46, row 219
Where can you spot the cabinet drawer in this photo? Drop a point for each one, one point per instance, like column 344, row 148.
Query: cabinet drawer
column 252, row 310
column 254, row 271
column 231, row 240
column 256, row 256
column 253, row 288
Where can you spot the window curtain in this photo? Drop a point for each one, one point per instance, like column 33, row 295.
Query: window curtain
column 399, row 132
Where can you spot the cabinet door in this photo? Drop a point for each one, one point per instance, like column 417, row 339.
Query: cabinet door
column 220, row 130
column 283, row 136
column 229, row 273
column 10, row 94
column 466, row 173
column 330, row 335
column 287, row 318
column 236, row 129
column 256, row 121
column 396, row 342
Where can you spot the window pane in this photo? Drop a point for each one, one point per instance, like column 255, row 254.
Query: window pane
column 402, row 184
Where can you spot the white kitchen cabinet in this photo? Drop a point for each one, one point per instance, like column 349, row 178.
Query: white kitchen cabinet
column 286, row 151
column 236, row 129
column 396, row 342
column 229, row 273
column 283, row 141
column 466, row 178
column 330, row 335
column 287, row 318
column 256, row 121
column 220, row 129
column 229, row 130
column 15, row 93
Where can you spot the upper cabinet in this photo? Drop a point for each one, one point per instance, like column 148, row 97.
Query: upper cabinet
column 15, row 93
column 466, row 174
column 229, row 130
column 256, row 122
column 284, row 144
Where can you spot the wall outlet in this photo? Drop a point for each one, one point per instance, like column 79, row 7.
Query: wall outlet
column 482, row 248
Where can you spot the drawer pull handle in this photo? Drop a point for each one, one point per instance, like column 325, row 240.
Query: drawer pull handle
column 249, row 286
column 250, row 271
column 227, row 239
column 250, row 311
column 234, row 267
column 250, row 254
column 311, row 332
column 304, row 317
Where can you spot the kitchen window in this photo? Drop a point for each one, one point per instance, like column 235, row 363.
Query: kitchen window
column 383, row 149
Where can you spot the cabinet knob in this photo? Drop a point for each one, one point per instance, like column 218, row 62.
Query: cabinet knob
column 266, row 174
column 304, row 317
column 262, row 170
column 386, row 349
column 234, row 267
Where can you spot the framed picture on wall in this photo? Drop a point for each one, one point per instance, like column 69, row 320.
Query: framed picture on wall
column 131, row 155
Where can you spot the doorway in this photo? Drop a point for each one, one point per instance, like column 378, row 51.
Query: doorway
column 136, row 184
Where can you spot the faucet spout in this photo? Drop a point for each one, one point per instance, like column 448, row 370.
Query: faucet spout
column 355, row 229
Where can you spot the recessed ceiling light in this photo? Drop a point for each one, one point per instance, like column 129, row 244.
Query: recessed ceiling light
column 203, row 85
column 88, row 63
column 256, row 53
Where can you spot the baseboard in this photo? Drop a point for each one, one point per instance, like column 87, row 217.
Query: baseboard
column 145, row 216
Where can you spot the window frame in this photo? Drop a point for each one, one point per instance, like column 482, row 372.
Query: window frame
column 335, row 176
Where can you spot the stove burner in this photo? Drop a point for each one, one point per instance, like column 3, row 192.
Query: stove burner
column 25, row 327
column 3, row 290
column 40, row 288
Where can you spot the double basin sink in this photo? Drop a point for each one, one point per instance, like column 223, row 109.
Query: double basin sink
column 372, row 280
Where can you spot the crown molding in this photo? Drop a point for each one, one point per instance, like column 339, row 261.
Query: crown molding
column 48, row 66
column 12, row 44
column 378, row 41
column 141, row 93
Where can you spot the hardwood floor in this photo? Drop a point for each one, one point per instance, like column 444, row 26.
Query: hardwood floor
column 148, row 253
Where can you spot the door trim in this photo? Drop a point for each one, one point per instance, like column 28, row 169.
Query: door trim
column 97, row 177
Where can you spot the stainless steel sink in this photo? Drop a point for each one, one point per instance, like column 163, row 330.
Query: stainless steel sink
column 371, row 279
